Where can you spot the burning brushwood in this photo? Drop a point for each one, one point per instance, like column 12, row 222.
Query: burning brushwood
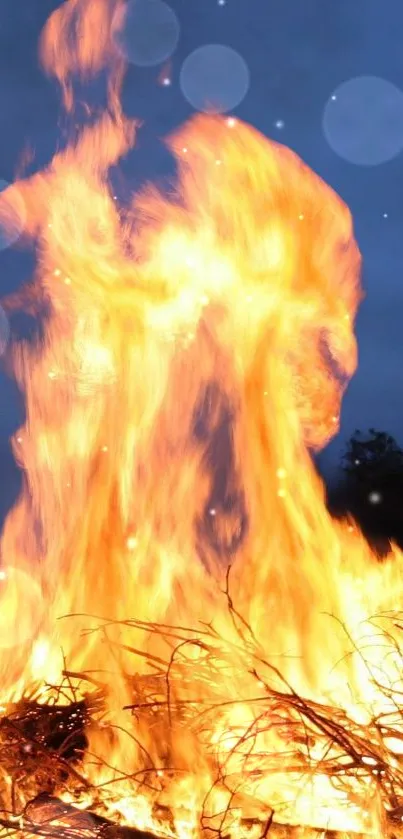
column 43, row 749
column 56, row 728
column 171, row 542
column 41, row 746
column 49, row 817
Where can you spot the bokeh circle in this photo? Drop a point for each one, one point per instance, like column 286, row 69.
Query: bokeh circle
column 214, row 78
column 146, row 32
column 12, row 214
column 363, row 121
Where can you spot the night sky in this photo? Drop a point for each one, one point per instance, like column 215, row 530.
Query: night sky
column 324, row 77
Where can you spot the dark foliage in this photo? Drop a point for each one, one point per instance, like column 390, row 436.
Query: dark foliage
column 371, row 487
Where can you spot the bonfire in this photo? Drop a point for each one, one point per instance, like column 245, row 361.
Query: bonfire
column 189, row 645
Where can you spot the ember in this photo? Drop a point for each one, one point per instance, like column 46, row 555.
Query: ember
column 202, row 658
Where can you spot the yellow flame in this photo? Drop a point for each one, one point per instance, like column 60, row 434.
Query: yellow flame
column 247, row 280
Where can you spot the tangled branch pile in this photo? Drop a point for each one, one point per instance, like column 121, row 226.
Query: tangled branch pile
column 42, row 744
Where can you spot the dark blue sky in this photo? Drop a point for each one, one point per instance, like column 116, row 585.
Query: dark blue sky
column 296, row 54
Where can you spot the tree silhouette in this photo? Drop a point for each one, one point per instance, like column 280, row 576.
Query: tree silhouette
column 371, row 487
column 372, row 458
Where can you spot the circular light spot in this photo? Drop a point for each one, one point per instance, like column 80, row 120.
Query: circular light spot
column 146, row 32
column 363, row 121
column 12, row 214
column 21, row 607
column 214, row 78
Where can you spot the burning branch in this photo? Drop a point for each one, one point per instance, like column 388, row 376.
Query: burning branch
column 308, row 740
column 49, row 817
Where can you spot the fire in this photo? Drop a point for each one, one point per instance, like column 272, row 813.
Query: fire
column 171, row 547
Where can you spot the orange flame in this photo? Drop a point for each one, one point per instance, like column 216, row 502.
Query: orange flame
column 197, row 348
